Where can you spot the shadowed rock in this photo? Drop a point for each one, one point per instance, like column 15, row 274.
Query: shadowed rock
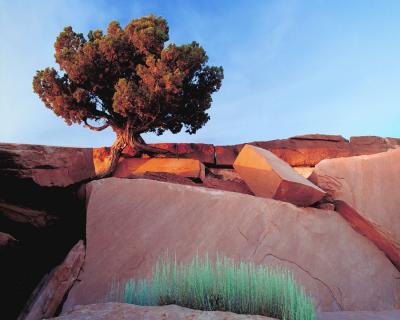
column 48, row 296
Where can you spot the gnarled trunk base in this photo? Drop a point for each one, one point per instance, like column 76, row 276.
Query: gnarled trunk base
column 137, row 143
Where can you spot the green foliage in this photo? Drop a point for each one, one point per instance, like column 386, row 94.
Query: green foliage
column 224, row 285
column 130, row 79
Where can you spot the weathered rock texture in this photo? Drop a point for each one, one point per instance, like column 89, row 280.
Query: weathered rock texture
column 182, row 167
column 48, row 296
column 367, row 192
column 128, row 228
column 39, row 207
column 122, row 311
column 270, row 177
column 360, row 315
column 308, row 150
column 46, row 166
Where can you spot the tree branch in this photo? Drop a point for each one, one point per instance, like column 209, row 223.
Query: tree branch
column 106, row 125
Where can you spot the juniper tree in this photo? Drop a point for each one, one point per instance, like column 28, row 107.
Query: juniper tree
column 129, row 79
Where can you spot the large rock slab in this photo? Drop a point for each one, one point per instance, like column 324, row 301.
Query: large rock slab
column 182, row 167
column 367, row 189
column 270, row 177
column 130, row 223
column 122, row 311
column 48, row 296
column 47, row 166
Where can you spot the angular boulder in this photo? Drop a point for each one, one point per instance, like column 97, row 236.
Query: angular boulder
column 131, row 223
column 270, row 177
column 182, row 167
column 367, row 192
column 50, row 293
column 123, row 311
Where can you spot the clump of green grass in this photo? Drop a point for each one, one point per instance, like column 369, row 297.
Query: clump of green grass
column 224, row 285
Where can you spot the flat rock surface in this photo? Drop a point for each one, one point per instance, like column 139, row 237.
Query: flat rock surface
column 360, row 315
column 122, row 311
column 131, row 223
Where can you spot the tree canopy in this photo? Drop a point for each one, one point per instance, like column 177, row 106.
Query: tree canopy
column 129, row 79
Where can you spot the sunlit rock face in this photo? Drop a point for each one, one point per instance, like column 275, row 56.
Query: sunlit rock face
column 131, row 223
column 309, row 150
column 270, row 177
column 367, row 190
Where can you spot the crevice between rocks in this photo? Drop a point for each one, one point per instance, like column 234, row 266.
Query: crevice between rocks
column 370, row 231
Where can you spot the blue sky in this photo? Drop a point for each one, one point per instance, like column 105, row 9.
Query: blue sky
column 291, row 67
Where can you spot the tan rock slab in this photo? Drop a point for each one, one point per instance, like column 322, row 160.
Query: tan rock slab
column 270, row 177
column 122, row 311
column 131, row 223
column 182, row 167
column 367, row 190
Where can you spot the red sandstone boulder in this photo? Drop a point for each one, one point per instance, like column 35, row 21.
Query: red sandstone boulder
column 48, row 296
column 45, row 165
column 128, row 228
column 270, row 177
column 122, row 311
column 367, row 191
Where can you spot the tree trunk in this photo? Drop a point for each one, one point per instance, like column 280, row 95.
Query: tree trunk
column 116, row 151
column 129, row 137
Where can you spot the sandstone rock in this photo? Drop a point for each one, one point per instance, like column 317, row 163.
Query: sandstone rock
column 305, row 151
column 122, row 311
column 369, row 193
column 226, row 155
column 48, row 296
column 324, row 137
column 181, row 167
column 128, row 228
column 21, row 214
column 367, row 140
column 326, row 206
column 225, row 174
column 46, row 165
column 304, row 171
column 360, row 315
column 6, row 240
column 270, row 177
column 205, row 153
